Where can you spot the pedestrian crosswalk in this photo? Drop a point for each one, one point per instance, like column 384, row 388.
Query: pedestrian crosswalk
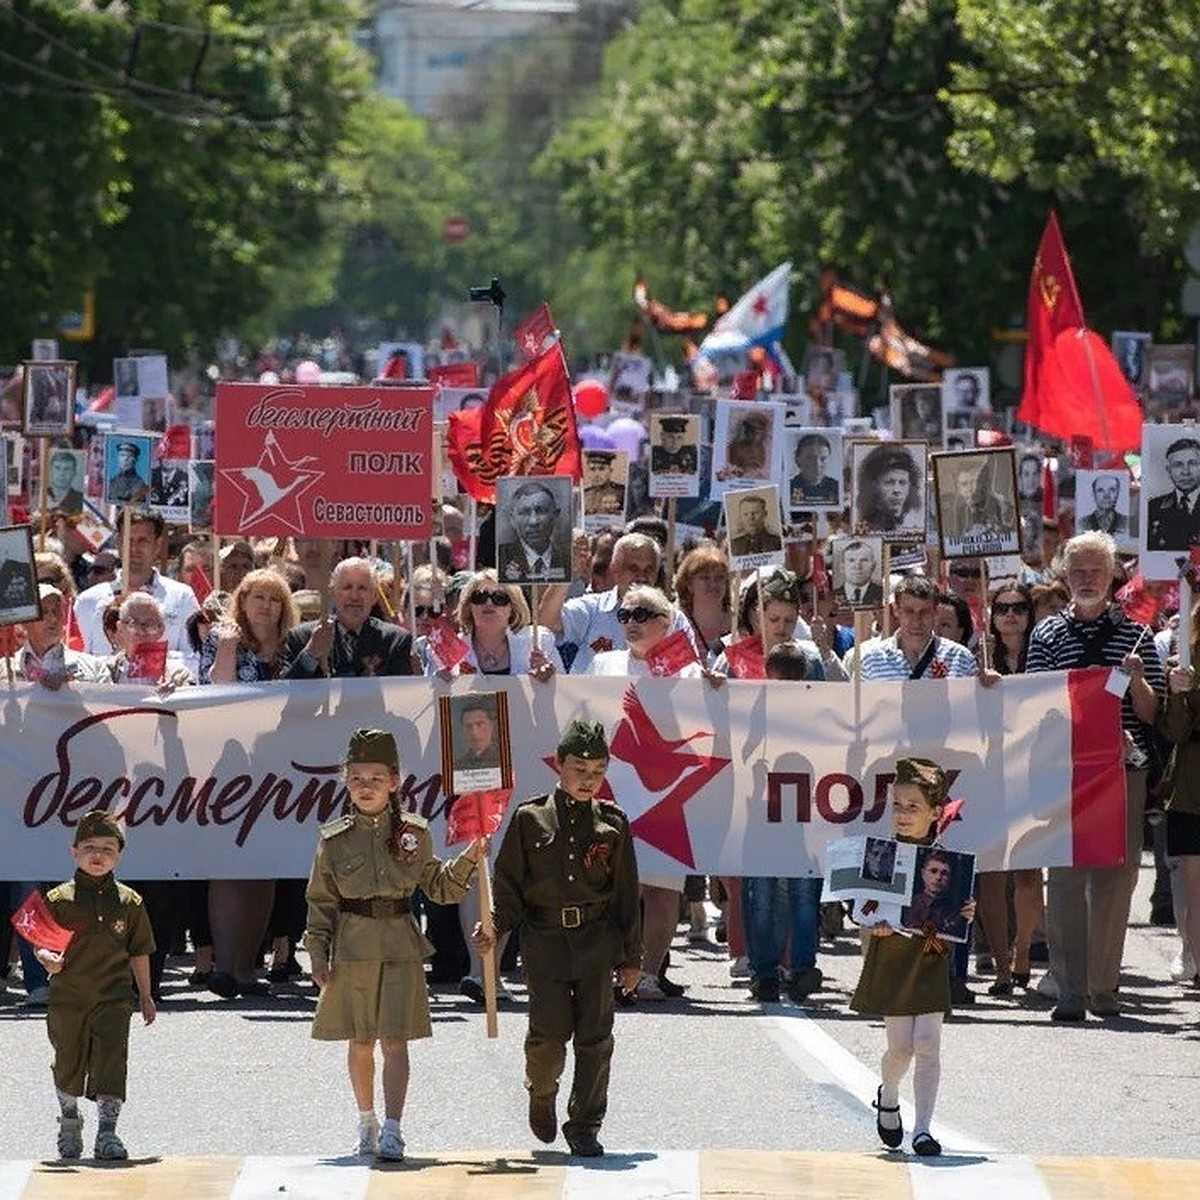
column 620, row 1175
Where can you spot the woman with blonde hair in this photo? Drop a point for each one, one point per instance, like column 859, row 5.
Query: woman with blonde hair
column 702, row 592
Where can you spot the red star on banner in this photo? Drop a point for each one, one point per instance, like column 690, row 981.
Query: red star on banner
column 659, row 763
column 760, row 305
column 272, row 488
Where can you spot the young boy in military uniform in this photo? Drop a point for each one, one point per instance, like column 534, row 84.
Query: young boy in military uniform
column 365, row 946
column 89, row 1009
column 566, row 875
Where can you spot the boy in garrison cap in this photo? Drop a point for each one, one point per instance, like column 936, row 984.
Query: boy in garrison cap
column 567, row 877
column 366, row 949
column 89, row 1009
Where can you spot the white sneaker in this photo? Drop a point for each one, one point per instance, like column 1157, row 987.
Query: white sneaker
column 740, row 968
column 391, row 1144
column 648, row 989
column 368, row 1137
column 1183, row 966
column 1048, row 986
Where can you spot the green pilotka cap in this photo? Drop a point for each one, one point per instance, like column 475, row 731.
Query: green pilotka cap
column 584, row 739
column 373, row 746
column 99, row 823
column 926, row 775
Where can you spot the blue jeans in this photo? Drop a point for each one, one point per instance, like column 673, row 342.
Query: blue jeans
column 774, row 908
column 34, row 973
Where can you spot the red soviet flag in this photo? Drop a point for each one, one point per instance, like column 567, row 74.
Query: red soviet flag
column 35, row 924
column 536, row 332
column 1073, row 385
column 475, row 815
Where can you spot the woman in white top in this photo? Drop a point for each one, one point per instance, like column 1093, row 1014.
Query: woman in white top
column 646, row 616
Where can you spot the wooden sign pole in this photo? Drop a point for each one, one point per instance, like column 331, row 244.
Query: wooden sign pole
column 489, row 959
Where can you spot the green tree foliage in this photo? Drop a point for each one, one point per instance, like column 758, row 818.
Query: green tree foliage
column 731, row 134
column 185, row 155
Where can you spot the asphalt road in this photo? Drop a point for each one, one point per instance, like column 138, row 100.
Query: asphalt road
column 711, row 1071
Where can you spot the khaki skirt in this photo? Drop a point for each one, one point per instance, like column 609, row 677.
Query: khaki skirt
column 365, row 1001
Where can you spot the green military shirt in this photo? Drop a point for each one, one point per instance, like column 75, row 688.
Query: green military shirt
column 353, row 862
column 111, row 926
column 561, row 853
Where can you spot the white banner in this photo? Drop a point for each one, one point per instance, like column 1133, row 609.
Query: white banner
column 742, row 779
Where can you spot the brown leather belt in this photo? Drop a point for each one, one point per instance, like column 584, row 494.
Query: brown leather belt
column 570, row 917
column 376, row 906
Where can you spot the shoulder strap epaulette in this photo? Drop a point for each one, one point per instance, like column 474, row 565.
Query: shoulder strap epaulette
column 127, row 894
column 415, row 819
column 336, row 826
column 63, row 891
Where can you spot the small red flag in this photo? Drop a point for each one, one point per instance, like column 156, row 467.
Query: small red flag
column 35, row 924
column 533, row 335
column 672, row 654
column 175, row 444
column 147, row 662
column 200, row 583
column 475, row 815
column 745, row 385
column 459, row 374
column 446, row 644
column 746, row 658
column 1138, row 602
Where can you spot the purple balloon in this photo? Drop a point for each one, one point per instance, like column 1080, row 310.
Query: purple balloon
column 594, row 437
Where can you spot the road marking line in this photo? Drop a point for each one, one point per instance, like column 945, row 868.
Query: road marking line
column 300, row 1179
column 659, row 1175
column 13, row 1178
column 999, row 1178
column 800, row 1033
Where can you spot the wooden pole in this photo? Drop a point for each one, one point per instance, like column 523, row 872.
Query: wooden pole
column 126, row 538
column 43, row 489
column 987, row 613
column 670, row 552
column 885, row 572
column 489, row 959
column 1184, row 632
column 762, row 616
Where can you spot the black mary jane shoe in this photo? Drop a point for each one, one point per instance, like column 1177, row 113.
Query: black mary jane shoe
column 1020, row 979
column 926, row 1145
column 891, row 1138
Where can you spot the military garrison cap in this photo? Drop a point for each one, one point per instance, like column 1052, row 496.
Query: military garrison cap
column 600, row 456
column 372, row 746
column 926, row 775
column 584, row 739
column 99, row 823
column 132, row 447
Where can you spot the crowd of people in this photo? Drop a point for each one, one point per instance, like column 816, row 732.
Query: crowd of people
column 280, row 609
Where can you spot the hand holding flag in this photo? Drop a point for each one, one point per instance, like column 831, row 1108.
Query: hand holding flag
column 35, row 924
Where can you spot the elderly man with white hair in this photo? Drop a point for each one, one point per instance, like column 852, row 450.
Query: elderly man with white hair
column 350, row 642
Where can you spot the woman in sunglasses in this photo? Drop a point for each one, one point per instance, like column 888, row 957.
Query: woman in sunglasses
column 646, row 616
column 1010, row 623
column 494, row 618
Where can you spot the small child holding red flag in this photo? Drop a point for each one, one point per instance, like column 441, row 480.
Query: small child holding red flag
column 89, row 1009
column 366, row 948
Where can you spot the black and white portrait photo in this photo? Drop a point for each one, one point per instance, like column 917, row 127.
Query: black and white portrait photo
column 1170, row 375
column 1170, row 497
column 916, row 411
column 889, row 489
column 976, row 494
column 1130, row 349
column 48, row 403
column 747, row 444
column 170, row 491
column 533, row 529
column 857, row 571
column 1102, row 503
column 200, row 494
column 125, row 377
column 674, row 454
column 18, row 578
column 605, row 488
column 814, row 470
column 823, row 366
column 755, row 529
column 966, row 390
column 65, row 473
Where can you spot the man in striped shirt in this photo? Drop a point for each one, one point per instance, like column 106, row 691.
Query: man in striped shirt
column 1087, row 908
column 914, row 651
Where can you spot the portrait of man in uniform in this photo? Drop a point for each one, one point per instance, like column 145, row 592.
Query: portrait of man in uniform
column 128, row 480
column 1102, row 502
column 602, row 494
column 169, row 485
column 672, row 452
column 64, row 483
column 49, row 399
column 753, row 530
column 19, row 600
column 476, row 747
column 1173, row 517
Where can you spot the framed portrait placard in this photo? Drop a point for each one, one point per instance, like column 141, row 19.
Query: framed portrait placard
column 813, row 470
column 605, row 488
column 944, row 882
column 857, row 571
column 1103, row 503
column 533, row 529
column 976, row 499
column 48, row 399
column 747, row 441
column 674, row 454
column 755, row 528
column 475, row 742
column 916, row 411
column 889, row 489
column 19, row 600
column 127, row 464
column 1170, row 498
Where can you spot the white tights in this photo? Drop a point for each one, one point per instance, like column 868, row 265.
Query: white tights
column 909, row 1038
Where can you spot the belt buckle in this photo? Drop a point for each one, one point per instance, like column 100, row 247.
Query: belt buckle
column 572, row 917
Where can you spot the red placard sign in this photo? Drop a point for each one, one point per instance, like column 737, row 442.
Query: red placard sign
column 324, row 462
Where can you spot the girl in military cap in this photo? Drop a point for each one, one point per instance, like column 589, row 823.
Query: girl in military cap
column 907, row 979
column 366, row 948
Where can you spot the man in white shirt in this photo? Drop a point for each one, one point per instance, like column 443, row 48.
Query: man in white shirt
column 44, row 658
column 178, row 601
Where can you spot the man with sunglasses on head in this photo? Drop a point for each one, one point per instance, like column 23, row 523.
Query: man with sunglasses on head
column 590, row 621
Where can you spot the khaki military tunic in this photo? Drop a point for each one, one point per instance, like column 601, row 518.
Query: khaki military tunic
column 377, row 986
column 91, row 997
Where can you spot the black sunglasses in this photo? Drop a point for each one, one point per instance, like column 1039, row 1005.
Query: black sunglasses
column 639, row 615
column 421, row 611
column 499, row 599
column 1014, row 606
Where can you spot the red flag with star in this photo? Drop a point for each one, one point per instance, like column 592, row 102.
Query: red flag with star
column 475, row 815
column 34, row 922
column 536, row 333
